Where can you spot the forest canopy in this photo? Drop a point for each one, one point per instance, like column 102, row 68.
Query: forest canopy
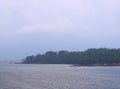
column 87, row 57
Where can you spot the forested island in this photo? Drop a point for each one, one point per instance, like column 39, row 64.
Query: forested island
column 93, row 56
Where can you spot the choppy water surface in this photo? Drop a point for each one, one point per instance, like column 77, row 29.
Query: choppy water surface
column 19, row 76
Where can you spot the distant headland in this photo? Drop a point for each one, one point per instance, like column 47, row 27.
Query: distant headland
column 89, row 57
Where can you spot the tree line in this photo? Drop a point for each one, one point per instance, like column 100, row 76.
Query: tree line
column 87, row 57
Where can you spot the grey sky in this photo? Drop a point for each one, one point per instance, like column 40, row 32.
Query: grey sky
column 35, row 26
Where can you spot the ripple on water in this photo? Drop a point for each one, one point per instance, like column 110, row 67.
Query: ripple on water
column 21, row 76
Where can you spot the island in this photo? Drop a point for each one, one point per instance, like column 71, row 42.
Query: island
column 89, row 57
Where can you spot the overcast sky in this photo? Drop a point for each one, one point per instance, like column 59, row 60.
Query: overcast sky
column 35, row 26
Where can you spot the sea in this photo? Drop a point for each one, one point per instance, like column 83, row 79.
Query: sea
column 54, row 76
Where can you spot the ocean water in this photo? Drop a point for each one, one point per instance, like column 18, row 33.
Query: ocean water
column 30, row 76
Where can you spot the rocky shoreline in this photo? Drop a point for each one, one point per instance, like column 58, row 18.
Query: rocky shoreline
column 97, row 64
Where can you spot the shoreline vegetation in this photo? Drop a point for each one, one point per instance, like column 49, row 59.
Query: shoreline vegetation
column 89, row 57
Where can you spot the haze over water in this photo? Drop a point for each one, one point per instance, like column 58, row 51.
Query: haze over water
column 32, row 76
column 29, row 27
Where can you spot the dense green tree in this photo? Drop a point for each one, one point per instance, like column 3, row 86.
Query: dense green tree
column 88, row 57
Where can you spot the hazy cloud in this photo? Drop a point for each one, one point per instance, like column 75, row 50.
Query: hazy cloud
column 24, row 21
